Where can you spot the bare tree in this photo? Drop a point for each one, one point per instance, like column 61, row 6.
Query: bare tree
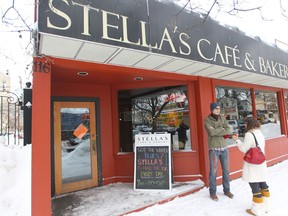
column 13, row 16
column 16, row 19
column 232, row 7
column 154, row 106
column 235, row 8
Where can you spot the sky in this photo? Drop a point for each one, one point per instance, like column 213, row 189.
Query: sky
column 16, row 47
column 119, row 198
column 16, row 51
column 268, row 23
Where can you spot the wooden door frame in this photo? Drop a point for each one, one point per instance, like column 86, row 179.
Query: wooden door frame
column 97, row 159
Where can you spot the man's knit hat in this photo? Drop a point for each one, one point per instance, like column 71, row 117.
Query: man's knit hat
column 214, row 105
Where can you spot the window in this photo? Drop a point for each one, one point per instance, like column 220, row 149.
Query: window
column 154, row 110
column 235, row 105
column 268, row 113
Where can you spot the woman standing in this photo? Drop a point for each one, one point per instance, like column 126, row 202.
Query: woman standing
column 254, row 174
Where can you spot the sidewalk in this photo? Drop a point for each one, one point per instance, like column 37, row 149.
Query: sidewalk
column 117, row 199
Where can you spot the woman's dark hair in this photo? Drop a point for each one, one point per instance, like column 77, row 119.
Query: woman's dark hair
column 252, row 123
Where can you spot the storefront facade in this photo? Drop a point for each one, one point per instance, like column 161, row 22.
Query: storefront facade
column 106, row 71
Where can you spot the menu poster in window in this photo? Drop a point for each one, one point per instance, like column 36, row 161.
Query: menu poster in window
column 152, row 163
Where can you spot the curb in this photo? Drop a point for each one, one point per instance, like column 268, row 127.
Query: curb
column 164, row 201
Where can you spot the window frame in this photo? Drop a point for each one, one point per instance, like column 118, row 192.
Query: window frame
column 253, row 87
column 191, row 107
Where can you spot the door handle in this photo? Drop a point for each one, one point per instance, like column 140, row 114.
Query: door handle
column 94, row 146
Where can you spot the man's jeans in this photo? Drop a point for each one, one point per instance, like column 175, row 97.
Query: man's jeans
column 214, row 157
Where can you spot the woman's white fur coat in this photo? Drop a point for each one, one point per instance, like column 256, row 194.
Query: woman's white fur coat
column 253, row 172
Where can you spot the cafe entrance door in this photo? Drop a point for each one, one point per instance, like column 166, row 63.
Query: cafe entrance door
column 75, row 147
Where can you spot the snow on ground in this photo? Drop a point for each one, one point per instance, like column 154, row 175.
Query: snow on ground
column 199, row 204
column 15, row 180
column 15, row 192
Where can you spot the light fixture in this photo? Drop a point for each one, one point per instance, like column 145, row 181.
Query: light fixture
column 28, row 84
column 138, row 78
column 82, row 73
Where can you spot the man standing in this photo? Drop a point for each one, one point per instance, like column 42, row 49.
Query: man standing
column 182, row 135
column 217, row 127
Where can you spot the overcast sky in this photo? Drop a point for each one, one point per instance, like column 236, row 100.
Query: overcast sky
column 16, row 47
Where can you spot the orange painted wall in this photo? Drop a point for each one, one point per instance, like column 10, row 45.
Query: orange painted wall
column 119, row 167
column 186, row 166
column 276, row 148
column 102, row 92
column 124, row 162
column 204, row 96
column 276, row 151
column 41, row 164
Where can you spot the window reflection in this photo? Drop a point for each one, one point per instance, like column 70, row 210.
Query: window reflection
column 236, row 105
column 154, row 110
column 75, row 140
column 268, row 113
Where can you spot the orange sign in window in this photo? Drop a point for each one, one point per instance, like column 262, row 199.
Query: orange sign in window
column 80, row 131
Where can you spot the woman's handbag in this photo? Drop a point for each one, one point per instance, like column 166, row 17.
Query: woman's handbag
column 254, row 155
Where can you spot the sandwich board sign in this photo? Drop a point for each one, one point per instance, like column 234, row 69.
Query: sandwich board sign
column 152, row 162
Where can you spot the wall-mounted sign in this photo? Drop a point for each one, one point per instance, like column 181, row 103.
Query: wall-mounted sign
column 152, row 163
column 153, row 26
column 41, row 66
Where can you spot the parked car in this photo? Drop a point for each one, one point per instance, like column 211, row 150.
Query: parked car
column 165, row 128
column 142, row 128
column 234, row 128
column 241, row 125
column 146, row 129
column 263, row 119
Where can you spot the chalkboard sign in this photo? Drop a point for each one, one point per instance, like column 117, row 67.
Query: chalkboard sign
column 152, row 167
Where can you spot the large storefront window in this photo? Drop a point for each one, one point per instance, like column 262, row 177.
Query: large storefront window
column 236, row 105
column 268, row 113
column 154, row 110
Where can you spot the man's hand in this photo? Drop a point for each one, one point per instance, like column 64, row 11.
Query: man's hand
column 235, row 137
